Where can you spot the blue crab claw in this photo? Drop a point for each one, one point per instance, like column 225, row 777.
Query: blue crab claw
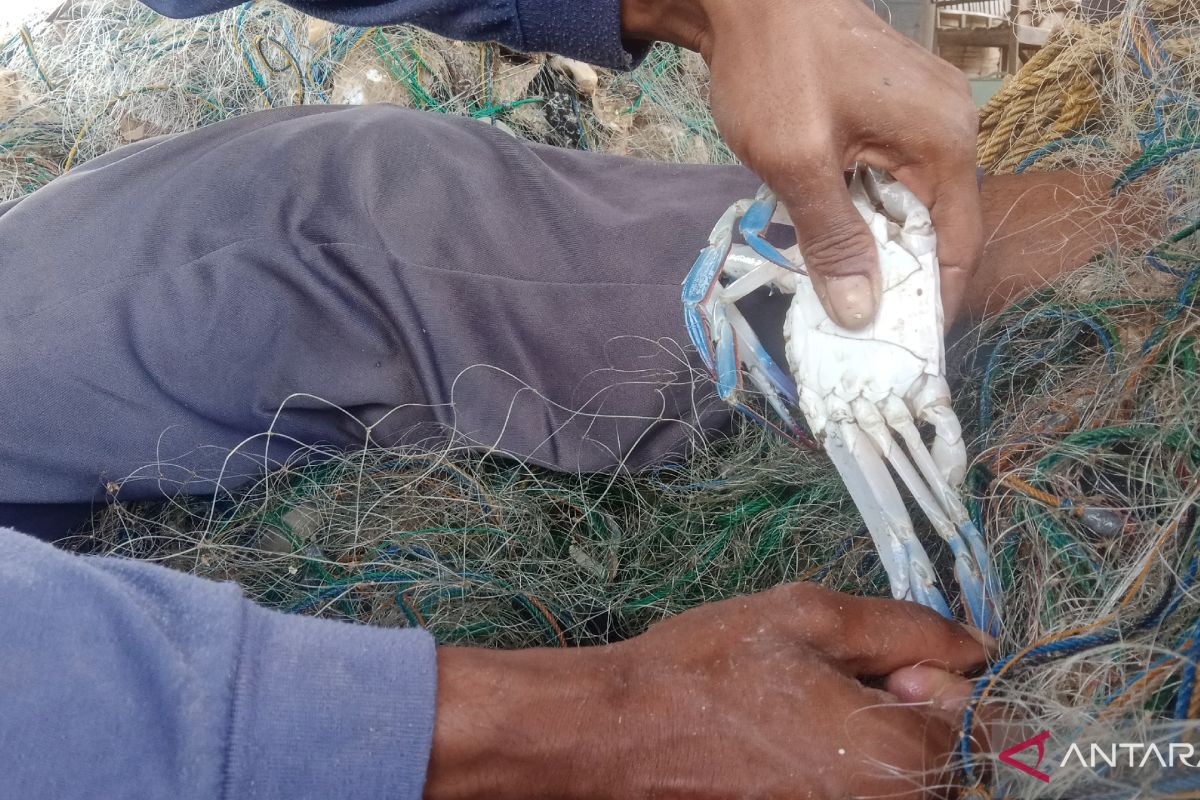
column 755, row 223
column 737, row 346
column 701, row 281
column 704, row 280
column 763, row 369
column 723, row 338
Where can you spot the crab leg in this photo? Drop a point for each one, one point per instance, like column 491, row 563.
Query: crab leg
column 751, row 271
column 703, row 279
column 943, row 467
column 978, row 592
column 763, row 211
column 775, row 384
column 878, row 500
column 948, row 500
column 720, row 332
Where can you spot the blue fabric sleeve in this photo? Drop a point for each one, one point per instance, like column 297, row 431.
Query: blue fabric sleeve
column 589, row 30
column 120, row 679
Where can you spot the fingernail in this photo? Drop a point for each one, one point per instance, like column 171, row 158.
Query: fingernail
column 951, row 694
column 922, row 683
column 985, row 639
column 851, row 300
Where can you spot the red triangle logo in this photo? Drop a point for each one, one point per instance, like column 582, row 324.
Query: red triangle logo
column 1039, row 742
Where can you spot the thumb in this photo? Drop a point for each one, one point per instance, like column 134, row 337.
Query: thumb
column 946, row 696
column 838, row 248
column 945, row 692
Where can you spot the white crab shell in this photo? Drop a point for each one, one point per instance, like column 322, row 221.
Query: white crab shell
column 901, row 352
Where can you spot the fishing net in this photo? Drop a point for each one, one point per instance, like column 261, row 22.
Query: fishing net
column 1078, row 400
column 102, row 73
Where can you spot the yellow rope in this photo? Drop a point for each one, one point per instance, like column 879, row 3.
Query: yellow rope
column 1048, row 98
column 1058, row 90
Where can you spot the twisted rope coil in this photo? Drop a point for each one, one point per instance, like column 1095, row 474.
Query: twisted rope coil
column 1063, row 86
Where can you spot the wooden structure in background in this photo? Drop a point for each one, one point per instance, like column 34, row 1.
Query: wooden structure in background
column 1009, row 31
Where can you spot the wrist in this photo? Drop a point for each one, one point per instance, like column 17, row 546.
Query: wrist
column 682, row 22
column 525, row 723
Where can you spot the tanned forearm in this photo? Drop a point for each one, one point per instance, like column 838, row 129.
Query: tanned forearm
column 518, row 724
column 1039, row 226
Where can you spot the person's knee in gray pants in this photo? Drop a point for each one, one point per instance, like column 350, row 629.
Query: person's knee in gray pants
column 343, row 276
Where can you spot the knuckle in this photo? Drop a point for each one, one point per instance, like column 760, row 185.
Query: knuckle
column 808, row 593
column 820, row 622
column 958, row 79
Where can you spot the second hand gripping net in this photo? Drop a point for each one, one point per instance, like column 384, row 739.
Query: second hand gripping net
column 862, row 392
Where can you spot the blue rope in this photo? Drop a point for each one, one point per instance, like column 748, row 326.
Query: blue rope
column 1187, row 681
column 1155, row 262
column 1059, row 144
column 1182, row 301
column 1053, row 651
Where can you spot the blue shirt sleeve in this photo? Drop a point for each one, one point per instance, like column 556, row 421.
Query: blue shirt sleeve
column 124, row 679
column 589, row 30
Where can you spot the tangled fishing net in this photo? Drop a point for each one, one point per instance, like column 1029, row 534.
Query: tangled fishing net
column 98, row 74
column 1082, row 397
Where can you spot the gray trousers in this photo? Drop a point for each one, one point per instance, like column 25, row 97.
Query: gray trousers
column 338, row 277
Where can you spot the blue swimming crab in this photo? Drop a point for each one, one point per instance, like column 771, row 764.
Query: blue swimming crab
column 863, row 392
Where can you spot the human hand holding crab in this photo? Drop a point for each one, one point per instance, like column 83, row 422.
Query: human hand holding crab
column 863, row 392
column 803, row 89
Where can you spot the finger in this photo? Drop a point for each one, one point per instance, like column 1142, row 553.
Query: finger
column 838, row 248
column 958, row 220
column 873, row 637
column 944, row 693
column 946, row 696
